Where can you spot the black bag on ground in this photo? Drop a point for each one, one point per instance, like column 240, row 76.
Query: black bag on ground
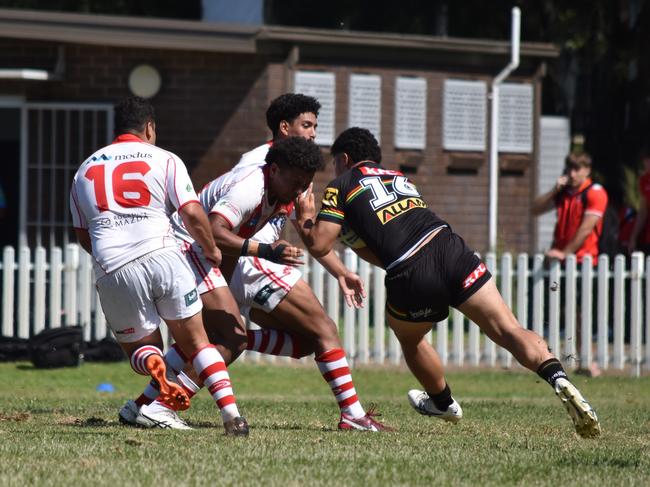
column 57, row 347
column 12, row 349
column 104, row 350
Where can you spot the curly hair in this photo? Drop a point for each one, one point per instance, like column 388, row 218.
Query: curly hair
column 359, row 144
column 289, row 107
column 132, row 114
column 296, row 153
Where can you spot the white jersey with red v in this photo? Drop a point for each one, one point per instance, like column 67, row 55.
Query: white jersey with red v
column 124, row 195
column 241, row 198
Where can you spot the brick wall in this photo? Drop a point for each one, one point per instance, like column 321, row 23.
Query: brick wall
column 211, row 108
column 460, row 199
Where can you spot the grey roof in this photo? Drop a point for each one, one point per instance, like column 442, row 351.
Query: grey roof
column 206, row 36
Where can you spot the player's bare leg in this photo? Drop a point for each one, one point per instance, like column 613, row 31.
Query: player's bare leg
column 301, row 313
column 487, row 309
column 425, row 364
column 223, row 323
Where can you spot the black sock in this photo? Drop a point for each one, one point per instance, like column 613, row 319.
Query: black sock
column 443, row 399
column 551, row 370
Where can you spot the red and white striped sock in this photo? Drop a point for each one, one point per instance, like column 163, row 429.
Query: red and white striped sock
column 212, row 371
column 139, row 358
column 175, row 360
column 273, row 342
column 335, row 370
column 191, row 388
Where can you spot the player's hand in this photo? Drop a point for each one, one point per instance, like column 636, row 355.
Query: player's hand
column 213, row 256
column 305, row 206
column 561, row 183
column 352, row 288
column 291, row 255
column 555, row 254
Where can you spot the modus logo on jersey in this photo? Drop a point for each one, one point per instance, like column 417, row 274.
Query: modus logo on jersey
column 399, row 208
column 131, row 157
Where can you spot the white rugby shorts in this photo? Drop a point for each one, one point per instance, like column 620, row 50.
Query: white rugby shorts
column 206, row 277
column 261, row 284
column 157, row 285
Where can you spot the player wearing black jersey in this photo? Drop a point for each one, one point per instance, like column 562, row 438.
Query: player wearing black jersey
column 428, row 268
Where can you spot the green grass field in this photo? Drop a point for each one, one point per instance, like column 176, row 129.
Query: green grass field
column 55, row 429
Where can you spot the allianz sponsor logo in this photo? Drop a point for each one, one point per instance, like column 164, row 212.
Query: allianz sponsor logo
column 422, row 313
column 130, row 157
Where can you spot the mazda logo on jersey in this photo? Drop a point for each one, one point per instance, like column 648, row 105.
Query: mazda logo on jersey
column 399, row 208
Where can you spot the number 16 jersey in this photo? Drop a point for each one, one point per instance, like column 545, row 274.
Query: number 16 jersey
column 124, row 195
column 383, row 208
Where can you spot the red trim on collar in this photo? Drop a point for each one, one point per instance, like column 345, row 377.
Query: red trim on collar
column 126, row 138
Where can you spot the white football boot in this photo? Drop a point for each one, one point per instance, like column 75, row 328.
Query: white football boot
column 423, row 404
column 155, row 415
column 582, row 414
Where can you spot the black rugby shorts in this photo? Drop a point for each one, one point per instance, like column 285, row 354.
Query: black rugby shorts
column 445, row 272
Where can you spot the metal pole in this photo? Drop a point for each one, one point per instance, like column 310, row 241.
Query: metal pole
column 494, row 127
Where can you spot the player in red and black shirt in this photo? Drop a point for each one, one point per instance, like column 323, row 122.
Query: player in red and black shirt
column 429, row 268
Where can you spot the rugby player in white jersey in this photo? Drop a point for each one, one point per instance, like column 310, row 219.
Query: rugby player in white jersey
column 121, row 201
column 248, row 208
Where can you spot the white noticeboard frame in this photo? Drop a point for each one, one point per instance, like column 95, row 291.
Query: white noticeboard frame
column 365, row 103
column 322, row 86
column 410, row 113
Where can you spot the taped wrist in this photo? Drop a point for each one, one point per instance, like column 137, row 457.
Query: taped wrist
column 244, row 248
column 266, row 251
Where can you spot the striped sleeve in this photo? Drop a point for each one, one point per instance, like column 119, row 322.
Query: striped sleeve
column 332, row 209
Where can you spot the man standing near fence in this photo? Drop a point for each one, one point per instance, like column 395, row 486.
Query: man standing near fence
column 121, row 201
column 429, row 268
column 580, row 204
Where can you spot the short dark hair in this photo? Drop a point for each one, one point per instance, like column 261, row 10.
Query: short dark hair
column 289, row 107
column 132, row 114
column 574, row 159
column 295, row 153
column 359, row 144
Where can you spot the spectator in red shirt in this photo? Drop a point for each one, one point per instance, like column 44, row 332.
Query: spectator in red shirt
column 580, row 205
column 640, row 237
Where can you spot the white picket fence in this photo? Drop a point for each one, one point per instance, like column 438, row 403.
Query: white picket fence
column 38, row 293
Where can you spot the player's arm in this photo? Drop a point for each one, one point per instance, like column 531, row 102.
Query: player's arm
column 234, row 245
column 197, row 224
column 83, row 237
column 587, row 226
column 350, row 283
column 546, row 201
column 183, row 198
column 318, row 235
